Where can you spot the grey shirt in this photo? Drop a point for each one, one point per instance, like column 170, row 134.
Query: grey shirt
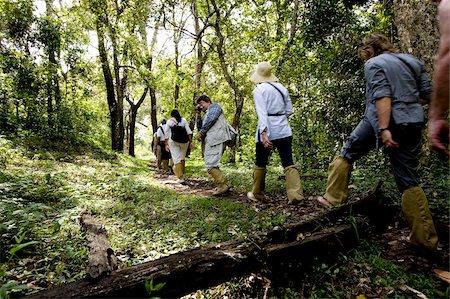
column 388, row 75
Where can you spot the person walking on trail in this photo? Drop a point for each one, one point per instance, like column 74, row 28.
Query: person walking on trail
column 438, row 129
column 159, row 148
column 178, row 137
column 273, row 107
column 214, row 130
column 396, row 87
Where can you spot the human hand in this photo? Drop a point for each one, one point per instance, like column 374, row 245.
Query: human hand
column 190, row 145
column 386, row 138
column 199, row 137
column 439, row 135
column 265, row 141
column 167, row 148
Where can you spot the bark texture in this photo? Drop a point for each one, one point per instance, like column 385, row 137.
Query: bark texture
column 102, row 260
column 417, row 29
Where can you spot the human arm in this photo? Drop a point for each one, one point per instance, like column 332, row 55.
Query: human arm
column 214, row 111
column 438, row 128
column 263, row 118
column 384, row 109
column 379, row 91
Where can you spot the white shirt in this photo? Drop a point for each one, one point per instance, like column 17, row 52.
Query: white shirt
column 268, row 100
column 159, row 133
column 172, row 122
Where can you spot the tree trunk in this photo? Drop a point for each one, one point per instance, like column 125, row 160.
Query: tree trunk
column 238, row 95
column 53, row 90
column 133, row 115
column 417, row 29
column 184, row 272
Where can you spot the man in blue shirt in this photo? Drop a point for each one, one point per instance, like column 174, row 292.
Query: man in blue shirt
column 396, row 87
column 214, row 130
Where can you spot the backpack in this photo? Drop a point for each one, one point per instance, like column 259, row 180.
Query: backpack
column 179, row 134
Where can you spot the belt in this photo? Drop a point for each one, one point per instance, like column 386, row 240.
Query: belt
column 277, row 114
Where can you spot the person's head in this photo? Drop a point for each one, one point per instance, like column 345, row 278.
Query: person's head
column 262, row 73
column 203, row 102
column 163, row 121
column 176, row 114
column 373, row 45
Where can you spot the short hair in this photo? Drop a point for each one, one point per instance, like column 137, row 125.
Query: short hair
column 203, row 98
column 375, row 44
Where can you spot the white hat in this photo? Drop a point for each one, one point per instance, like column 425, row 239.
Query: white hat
column 262, row 73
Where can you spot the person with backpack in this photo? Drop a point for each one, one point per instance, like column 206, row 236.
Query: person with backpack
column 396, row 88
column 273, row 106
column 214, row 130
column 178, row 137
column 159, row 148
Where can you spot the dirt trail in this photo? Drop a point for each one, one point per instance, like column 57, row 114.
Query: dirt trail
column 396, row 247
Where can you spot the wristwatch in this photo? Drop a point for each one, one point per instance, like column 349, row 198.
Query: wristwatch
column 380, row 130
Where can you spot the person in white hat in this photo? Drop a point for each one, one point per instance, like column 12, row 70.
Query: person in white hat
column 273, row 106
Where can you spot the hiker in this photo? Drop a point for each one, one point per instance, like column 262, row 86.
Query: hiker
column 273, row 106
column 159, row 148
column 214, row 131
column 396, row 86
column 438, row 131
column 178, row 137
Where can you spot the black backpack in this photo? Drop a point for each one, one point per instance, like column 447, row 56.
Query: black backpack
column 179, row 134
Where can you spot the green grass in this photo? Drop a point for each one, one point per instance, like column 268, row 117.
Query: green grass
column 43, row 194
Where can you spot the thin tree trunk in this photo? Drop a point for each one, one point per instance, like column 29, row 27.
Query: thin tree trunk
column 133, row 115
column 114, row 114
column 238, row 95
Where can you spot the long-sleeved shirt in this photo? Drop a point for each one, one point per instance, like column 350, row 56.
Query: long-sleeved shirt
column 273, row 110
column 212, row 115
column 390, row 75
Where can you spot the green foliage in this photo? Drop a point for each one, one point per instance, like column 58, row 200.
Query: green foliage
column 150, row 288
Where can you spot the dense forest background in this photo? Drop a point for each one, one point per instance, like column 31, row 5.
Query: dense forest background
column 104, row 72
column 84, row 84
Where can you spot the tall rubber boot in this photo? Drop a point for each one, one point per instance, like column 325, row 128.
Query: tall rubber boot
column 259, row 184
column 165, row 165
column 293, row 185
column 416, row 212
column 219, row 180
column 178, row 171
column 183, row 166
column 338, row 180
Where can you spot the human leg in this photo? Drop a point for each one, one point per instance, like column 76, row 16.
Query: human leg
column 404, row 161
column 212, row 156
column 293, row 185
column 359, row 143
column 259, row 173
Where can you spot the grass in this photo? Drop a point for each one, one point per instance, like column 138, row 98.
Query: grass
column 43, row 192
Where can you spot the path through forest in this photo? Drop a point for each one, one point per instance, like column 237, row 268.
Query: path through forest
column 393, row 237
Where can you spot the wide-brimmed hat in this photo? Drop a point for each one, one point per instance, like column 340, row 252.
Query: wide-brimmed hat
column 262, row 73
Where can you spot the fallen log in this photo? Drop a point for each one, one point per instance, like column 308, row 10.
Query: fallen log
column 102, row 259
column 188, row 271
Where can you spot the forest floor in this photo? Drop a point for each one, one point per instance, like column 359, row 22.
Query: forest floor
column 392, row 242
column 44, row 191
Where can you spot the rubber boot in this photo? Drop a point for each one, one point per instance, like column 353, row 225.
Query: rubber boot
column 178, row 170
column 415, row 208
column 219, row 180
column 293, row 185
column 259, row 184
column 165, row 165
column 183, row 166
column 338, row 180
